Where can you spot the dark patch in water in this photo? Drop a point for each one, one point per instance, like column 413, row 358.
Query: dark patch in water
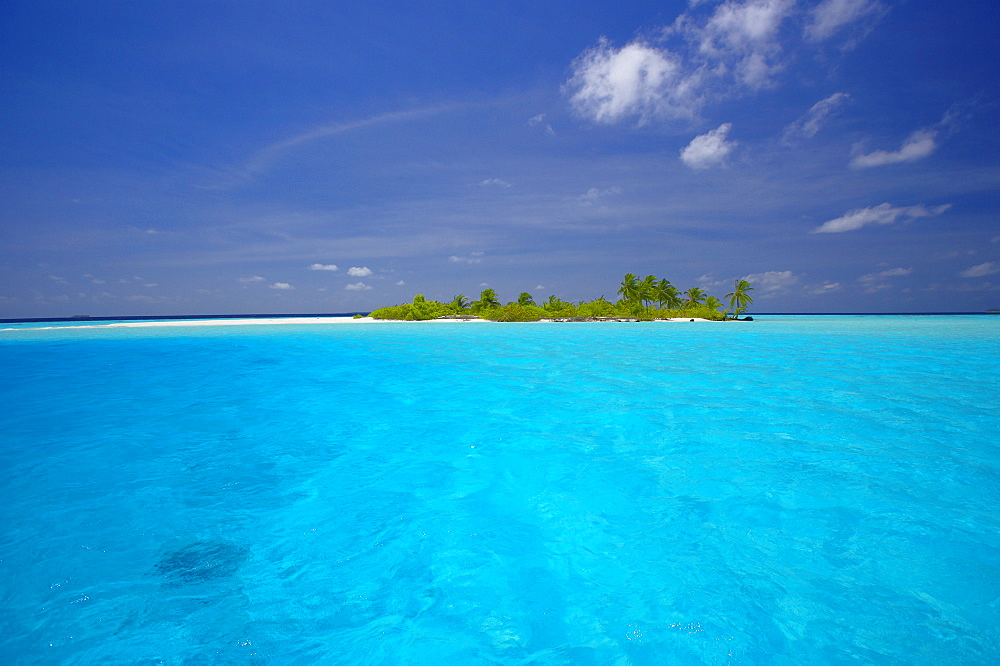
column 201, row 562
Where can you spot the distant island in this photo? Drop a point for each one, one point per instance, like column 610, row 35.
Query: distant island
column 647, row 299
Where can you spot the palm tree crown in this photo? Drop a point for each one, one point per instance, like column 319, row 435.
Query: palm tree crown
column 629, row 288
column 488, row 299
column 694, row 297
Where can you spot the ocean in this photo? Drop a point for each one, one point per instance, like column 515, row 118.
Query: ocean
column 799, row 489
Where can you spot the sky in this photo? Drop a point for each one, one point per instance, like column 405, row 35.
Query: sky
column 230, row 157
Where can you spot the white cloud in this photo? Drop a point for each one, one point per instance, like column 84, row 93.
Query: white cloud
column 149, row 284
column 708, row 150
column 499, row 182
column 877, row 281
column 981, row 270
column 400, row 283
column 265, row 159
column 771, row 281
column 809, row 124
column 56, row 278
column 745, row 34
column 357, row 286
column 534, row 120
column 593, row 194
column 827, row 288
column 473, row 258
column 281, row 285
column 918, row 145
column 255, row 278
column 737, row 46
column 636, row 81
column 359, row 271
column 323, row 267
column 831, row 15
column 892, row 272
column 97, row 281
column 878, row 215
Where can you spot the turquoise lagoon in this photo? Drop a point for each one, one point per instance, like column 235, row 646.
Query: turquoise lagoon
column 795, row 490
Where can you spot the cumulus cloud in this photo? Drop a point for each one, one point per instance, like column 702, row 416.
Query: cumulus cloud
column 736, row 47
column 770, row 282
column 832, row 15
column 248, row 280
column 877, row 281
column 708, row 150
column 499, row 182
column 878, row 215
column 981, row 270
column 918, row 145
column 357, row 286
column 746, row 35
column 635, row 81
column 281, row 286
column 56, row 278
column 323, row 267
column 359, row 271
column 400, row 283
column 812, row 122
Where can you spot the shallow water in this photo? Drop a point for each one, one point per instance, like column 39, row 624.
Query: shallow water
column 792, row 490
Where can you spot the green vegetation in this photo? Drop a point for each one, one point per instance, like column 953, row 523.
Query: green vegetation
column 646, row 299
column 739, row 299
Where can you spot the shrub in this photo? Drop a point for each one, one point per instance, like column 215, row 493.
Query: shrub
column 515, row 312
column 598, row 308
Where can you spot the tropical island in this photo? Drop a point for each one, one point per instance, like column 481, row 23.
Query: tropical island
column 648, row 299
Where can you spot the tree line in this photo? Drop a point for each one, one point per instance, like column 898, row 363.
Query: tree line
column 644, row 299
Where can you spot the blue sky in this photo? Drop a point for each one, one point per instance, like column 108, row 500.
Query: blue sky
column 248, row 157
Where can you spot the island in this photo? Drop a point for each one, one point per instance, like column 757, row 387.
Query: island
column 648, row 299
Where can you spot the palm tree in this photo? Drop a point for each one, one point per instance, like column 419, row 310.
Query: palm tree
column 647, row 290
column 694, row 297
column 629, row 288
column 459, row 302
column 525, row 299
column 667, row 294
column 713, row 302
column 488, row 299
column 739, row 299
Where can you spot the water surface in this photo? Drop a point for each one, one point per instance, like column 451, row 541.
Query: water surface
column 792, row 490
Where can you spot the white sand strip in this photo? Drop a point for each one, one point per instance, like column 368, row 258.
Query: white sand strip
column 245, row 322
column 278, row 320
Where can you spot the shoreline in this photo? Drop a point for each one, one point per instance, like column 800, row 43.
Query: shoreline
column 302, row 320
